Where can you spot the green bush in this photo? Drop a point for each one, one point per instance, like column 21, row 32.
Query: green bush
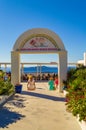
column 6, row 88
column 76, row 97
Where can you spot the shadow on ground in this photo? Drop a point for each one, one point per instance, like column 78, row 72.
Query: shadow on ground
column 8, row 117
column 62, row 99
column 17, row 101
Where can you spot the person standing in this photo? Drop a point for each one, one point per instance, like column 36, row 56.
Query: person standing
column 51, row 83
column 56, row 82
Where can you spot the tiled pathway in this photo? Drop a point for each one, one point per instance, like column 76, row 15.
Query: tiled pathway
column 37, row 110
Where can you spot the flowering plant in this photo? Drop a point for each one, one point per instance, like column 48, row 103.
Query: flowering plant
column 76, row 97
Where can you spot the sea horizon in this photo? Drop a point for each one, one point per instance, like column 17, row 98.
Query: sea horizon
column 35, row 69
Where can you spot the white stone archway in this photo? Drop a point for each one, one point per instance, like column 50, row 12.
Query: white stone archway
column 38, row 40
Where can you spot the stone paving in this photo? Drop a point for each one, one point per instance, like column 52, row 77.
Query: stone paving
column 37, row 110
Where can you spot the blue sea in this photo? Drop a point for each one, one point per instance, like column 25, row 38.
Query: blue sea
column 43, row 69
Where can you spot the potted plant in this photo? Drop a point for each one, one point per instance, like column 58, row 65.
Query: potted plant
column 18, row 88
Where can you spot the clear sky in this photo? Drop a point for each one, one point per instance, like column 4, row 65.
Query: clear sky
column 67, row 18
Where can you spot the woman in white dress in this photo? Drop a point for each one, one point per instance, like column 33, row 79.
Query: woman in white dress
column 31, row 84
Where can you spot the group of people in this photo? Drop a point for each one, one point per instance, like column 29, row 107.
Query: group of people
column 53, row 83
column 38, row 77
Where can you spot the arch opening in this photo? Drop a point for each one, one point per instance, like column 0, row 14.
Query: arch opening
column 38, row 41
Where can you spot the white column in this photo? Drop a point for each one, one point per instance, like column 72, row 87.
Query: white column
column 22, row 71
column 15, row 68
column 62, row 68
column 22, row 68
column 37, row 70
column 85, row 59
column 5, row 67
column 40, row 69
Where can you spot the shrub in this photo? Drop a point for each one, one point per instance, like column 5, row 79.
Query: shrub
column 76, row 96
column 6, row 88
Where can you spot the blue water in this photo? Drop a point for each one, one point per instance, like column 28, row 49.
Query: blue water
column 43, row 69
